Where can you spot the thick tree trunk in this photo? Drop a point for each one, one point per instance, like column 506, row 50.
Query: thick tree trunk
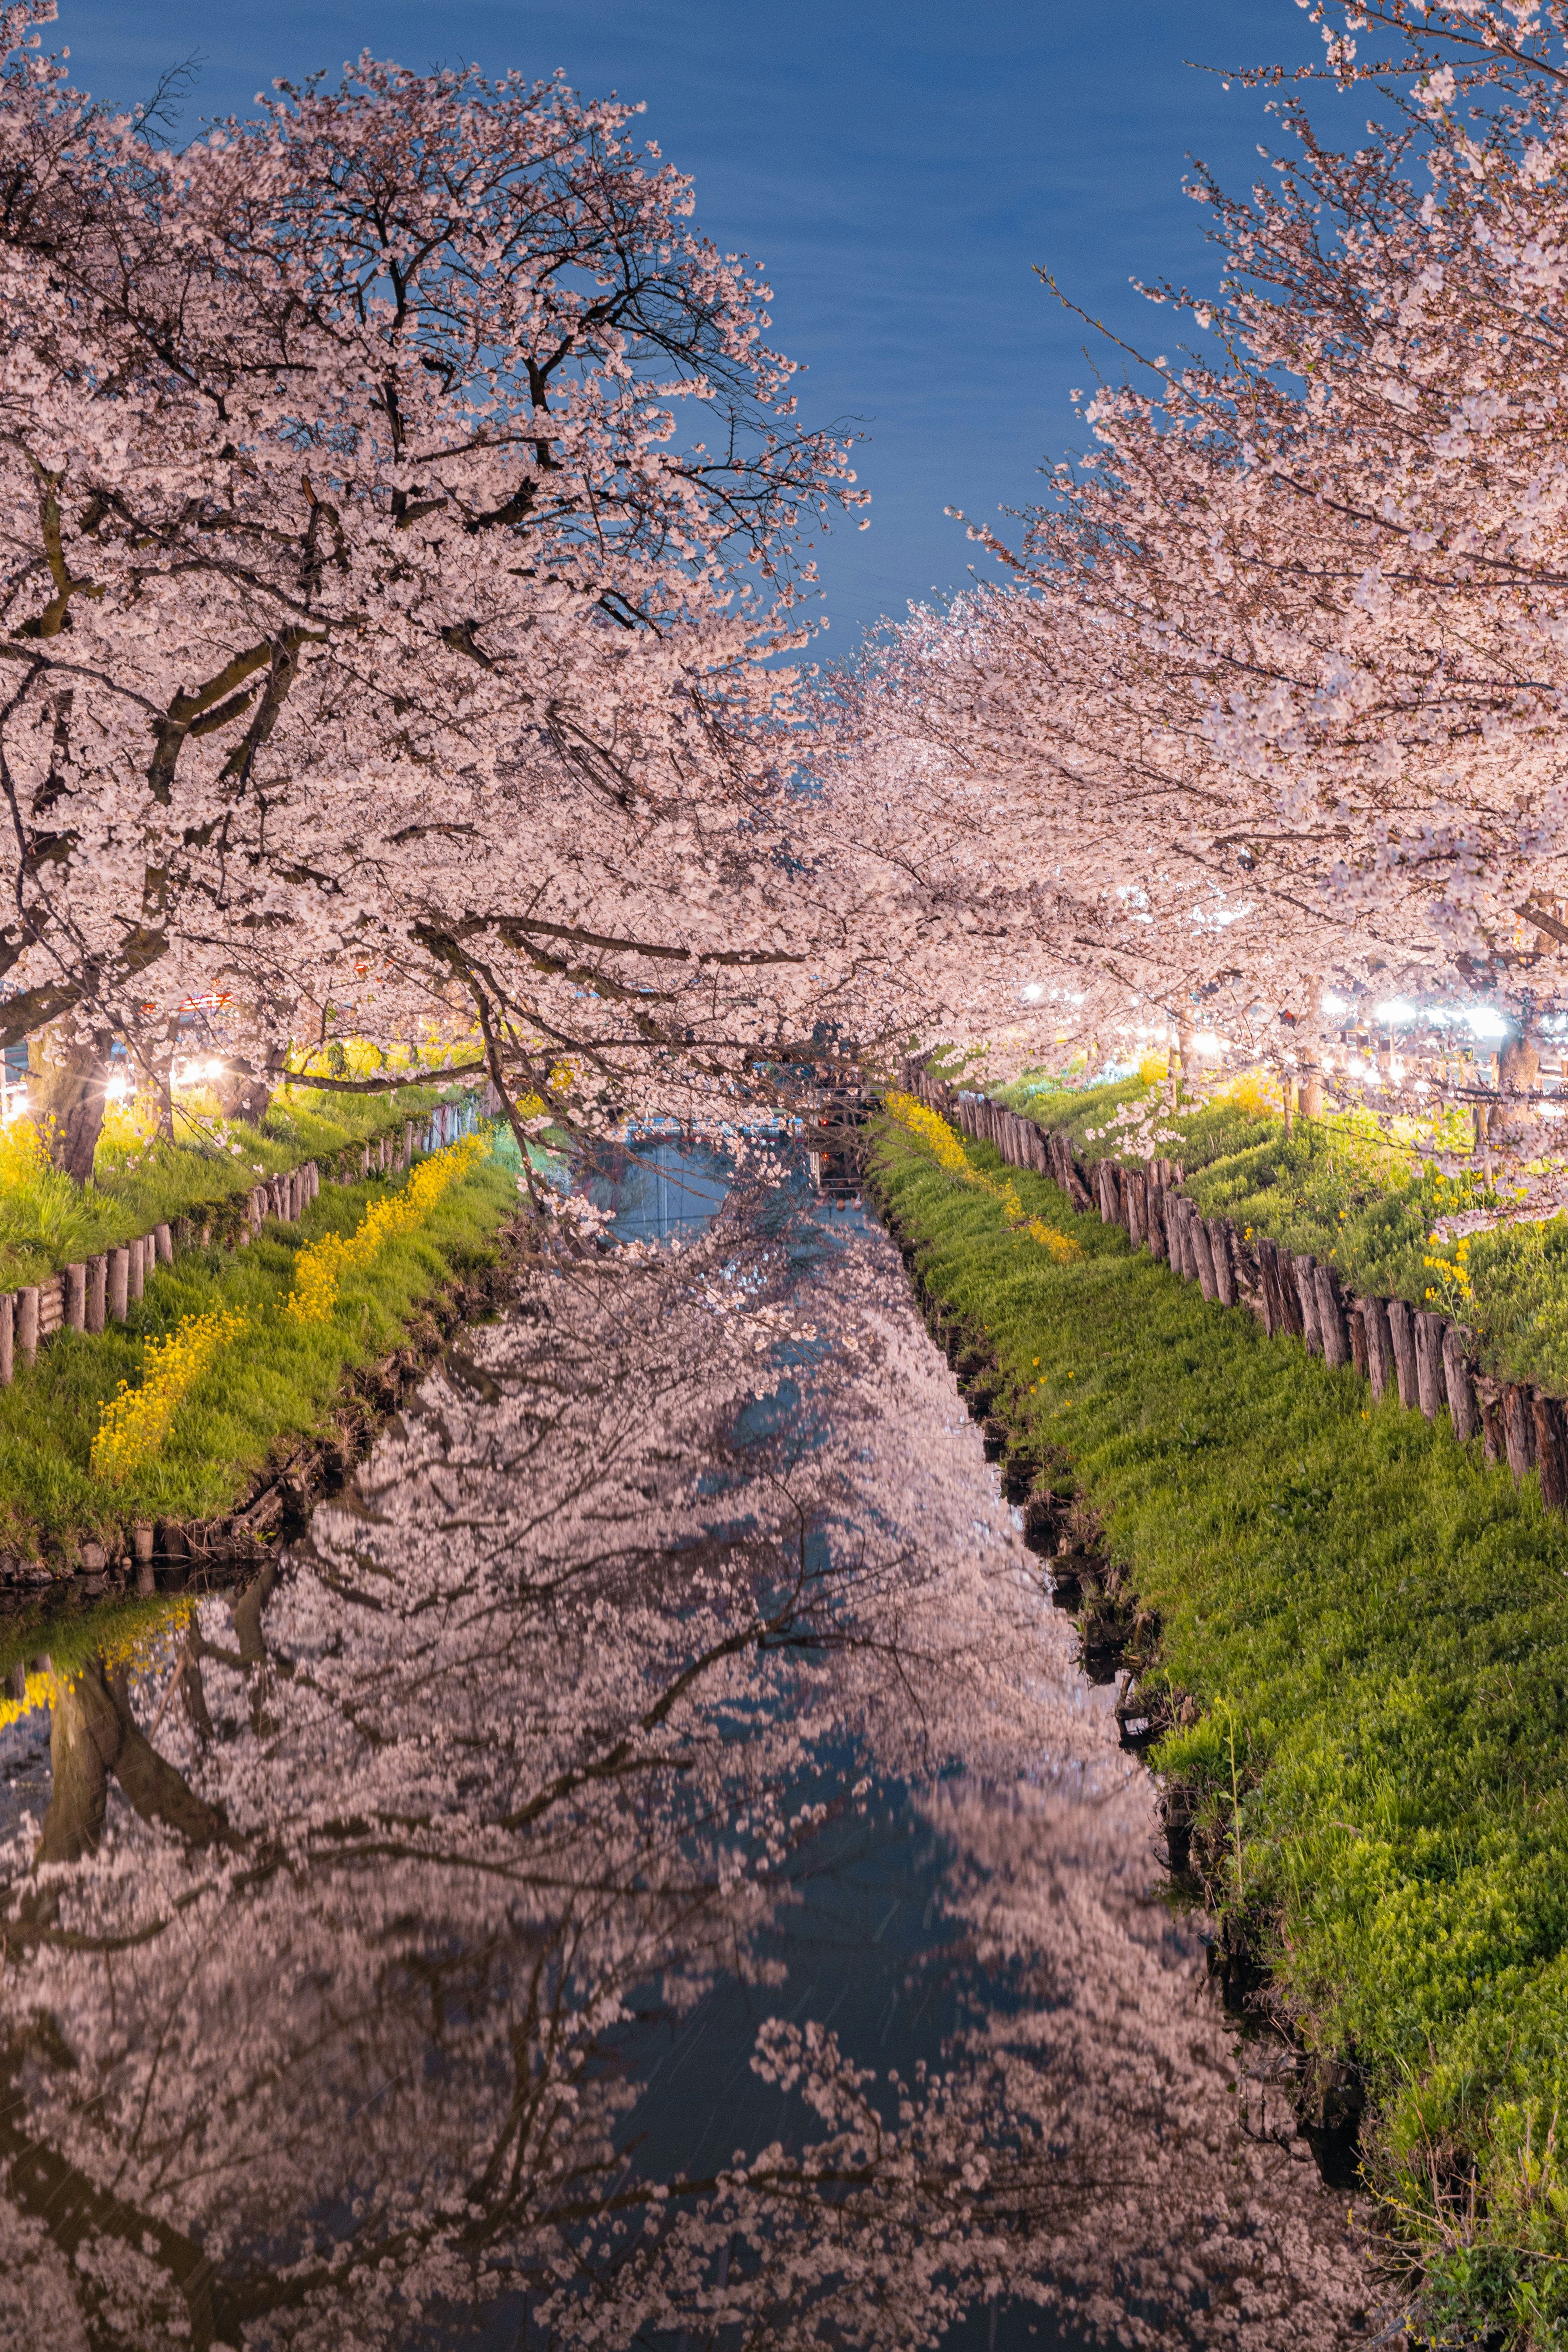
column 84, row 1740
column 65, row 1078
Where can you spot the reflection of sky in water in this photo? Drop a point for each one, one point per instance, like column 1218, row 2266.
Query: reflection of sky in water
column 659, row 1190
column 23, row 1771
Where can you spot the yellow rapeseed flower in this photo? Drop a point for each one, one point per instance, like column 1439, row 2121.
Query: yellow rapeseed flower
column 319, row 1267
column 947, row 1151
column 135, row 1422
column 39, row 1692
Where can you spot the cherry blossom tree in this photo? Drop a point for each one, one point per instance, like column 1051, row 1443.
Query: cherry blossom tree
column 1273, row 701
column 401, row 501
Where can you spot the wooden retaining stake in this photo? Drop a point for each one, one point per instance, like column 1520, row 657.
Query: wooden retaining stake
column 1268, row 1257
column 1401, row 1333
column 1552, row 1453
column 76, row 1298
column 1332, row 1318
column 1203, row 1256
column 7, row 1339
column 1355, row 1325
column 1154, row 1212
column 1461, row 1388
column 97, row 1283
column 1292, row 1317
column 1429, row 1330
column 119, row 1283
column 163, row 1244
column 27, row 1323
column 1192, row 1225
column 1518, row 1428
column 1305, row 1270
column 1219, row 1254
column 1379, row 1345
column 1132, row 1201
column 138, row 1269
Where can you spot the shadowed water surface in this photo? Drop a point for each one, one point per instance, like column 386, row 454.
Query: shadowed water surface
column 646, row 1872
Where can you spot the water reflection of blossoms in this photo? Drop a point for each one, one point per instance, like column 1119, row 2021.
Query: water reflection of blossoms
column 324, row 1981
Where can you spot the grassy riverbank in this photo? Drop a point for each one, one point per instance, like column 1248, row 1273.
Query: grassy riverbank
column 1372, row 1625
column 140, row 1180
column 273, row 1382
column 1365, row 1201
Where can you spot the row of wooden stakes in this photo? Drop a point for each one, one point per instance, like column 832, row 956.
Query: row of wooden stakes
column 1423, row 1356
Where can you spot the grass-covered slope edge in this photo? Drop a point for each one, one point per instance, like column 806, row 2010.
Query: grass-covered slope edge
column 279, row 1384
column 1362, row 1636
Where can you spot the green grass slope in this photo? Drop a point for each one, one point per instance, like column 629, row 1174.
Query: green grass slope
column 277, row 1380
column 1373, row 1624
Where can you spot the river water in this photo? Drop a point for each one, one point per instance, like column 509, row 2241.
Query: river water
column 644, row 1872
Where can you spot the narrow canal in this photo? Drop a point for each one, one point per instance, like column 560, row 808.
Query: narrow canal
column 644, row 1874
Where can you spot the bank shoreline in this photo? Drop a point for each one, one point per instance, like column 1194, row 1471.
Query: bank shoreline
column 1341, row 1641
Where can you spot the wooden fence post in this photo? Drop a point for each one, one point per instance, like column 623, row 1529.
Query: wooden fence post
column 1331, row 1317
column 1518, row 1428
column 1401, row 1331
column 1219, row 1252
column 1461, row 1388
column 1379, row 1344
column 1203, row 1256
column 1190, row 1224
column 1132, row 1201
column 1155, row 1205
column 1287, row 1297
column 1430, row 1331
column 1552, row 1453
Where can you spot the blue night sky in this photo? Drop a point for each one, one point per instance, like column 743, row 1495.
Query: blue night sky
column 899, row 170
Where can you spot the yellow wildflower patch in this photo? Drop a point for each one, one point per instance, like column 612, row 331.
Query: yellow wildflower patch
column 947, row 1149
column 320, row 1266
column 135, row 1422
column 40, row 1692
